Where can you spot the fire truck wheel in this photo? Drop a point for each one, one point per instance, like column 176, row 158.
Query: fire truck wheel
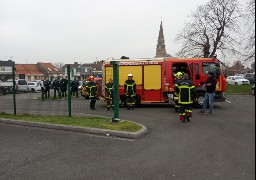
column 138, row 101
column 199, row 100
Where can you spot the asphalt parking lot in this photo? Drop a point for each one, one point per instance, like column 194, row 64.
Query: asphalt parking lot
column 217, row 147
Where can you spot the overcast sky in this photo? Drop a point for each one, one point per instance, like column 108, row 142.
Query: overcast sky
column 88, row 30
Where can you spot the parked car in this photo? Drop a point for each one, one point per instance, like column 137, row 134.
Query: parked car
column 253, row 90
column 21, row 85
column 34, row 87
column 237, row 80
column 250, row 77
column 6, row 87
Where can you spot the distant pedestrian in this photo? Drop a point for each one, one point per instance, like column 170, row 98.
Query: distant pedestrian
column 47, row 85
column 42, row 88
column 210, row 86
column 74, row 85
column 110, row 94
column 63, row 87
column 130, row 92
column 92, row 91
column 56, row 87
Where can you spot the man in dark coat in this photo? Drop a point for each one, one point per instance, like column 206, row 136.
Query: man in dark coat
column 56, row 87
column 63, row 87
column 74, row 86
column 210, row 86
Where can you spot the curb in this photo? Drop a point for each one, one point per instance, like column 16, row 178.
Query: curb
column 96, row 131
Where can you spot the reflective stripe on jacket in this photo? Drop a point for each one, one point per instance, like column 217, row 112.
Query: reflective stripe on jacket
column 184, row 88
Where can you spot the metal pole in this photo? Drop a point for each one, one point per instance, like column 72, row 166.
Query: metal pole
column 116, row 91
column 69, row 93
column 14, row 89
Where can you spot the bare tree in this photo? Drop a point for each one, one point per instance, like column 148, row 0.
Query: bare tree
column 211, row 28
column 59, row 64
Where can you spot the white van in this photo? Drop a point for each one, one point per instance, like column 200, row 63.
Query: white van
column 21, row 85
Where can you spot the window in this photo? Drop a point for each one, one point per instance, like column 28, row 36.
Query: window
column 49, row 69
column 209, row 67
column 22, row 82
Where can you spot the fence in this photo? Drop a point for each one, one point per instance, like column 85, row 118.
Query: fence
column 32, row 104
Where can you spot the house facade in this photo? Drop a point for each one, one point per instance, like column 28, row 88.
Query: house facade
column 31, row 72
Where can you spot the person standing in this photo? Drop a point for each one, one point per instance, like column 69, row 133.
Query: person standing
column 42, row 88
column 218, row 71
column 47, row 85
column 109, row 94
column 184, row 88
column 92, row 91
column 63, row 87
column 210, row 86
column 130, row 92
column 56, row 87
column 74, row 86
column 178, row 77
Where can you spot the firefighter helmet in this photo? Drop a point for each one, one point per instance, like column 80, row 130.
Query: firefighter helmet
column 179, row 75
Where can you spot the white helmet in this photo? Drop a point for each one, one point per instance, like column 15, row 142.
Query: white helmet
column 130, row 75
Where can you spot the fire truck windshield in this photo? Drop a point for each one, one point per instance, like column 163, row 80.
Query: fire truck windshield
column 209, row 67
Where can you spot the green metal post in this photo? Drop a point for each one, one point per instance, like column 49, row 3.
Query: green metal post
column 69, row 93
column 14, row 89
column 116, row 91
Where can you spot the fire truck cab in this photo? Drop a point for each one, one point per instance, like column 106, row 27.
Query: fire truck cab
column 155, row 78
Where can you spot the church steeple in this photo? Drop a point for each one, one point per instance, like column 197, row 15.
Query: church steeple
column 160, row 49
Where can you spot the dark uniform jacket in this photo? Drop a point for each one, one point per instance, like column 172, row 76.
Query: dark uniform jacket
column 47, row 84
column 92, row 90
column 185, row 90
column 75, row 84
column 210, row 85
column 63, row 84
column 56, row 84
column 109, row 90
column 130, row 88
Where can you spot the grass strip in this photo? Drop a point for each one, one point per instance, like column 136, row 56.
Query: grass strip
column 91, row 122
column 235, row 89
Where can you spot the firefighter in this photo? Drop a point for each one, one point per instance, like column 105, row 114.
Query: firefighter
column 109, row 94
column 185, row 88
column 56, row 87
column 130, row 92
column 178, row 76
column 83, row 90
column 92, row 90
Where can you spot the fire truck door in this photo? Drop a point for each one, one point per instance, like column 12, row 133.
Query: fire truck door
column 196, row 74
column 152, row 83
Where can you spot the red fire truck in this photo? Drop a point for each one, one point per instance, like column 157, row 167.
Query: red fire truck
column 155, row 78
